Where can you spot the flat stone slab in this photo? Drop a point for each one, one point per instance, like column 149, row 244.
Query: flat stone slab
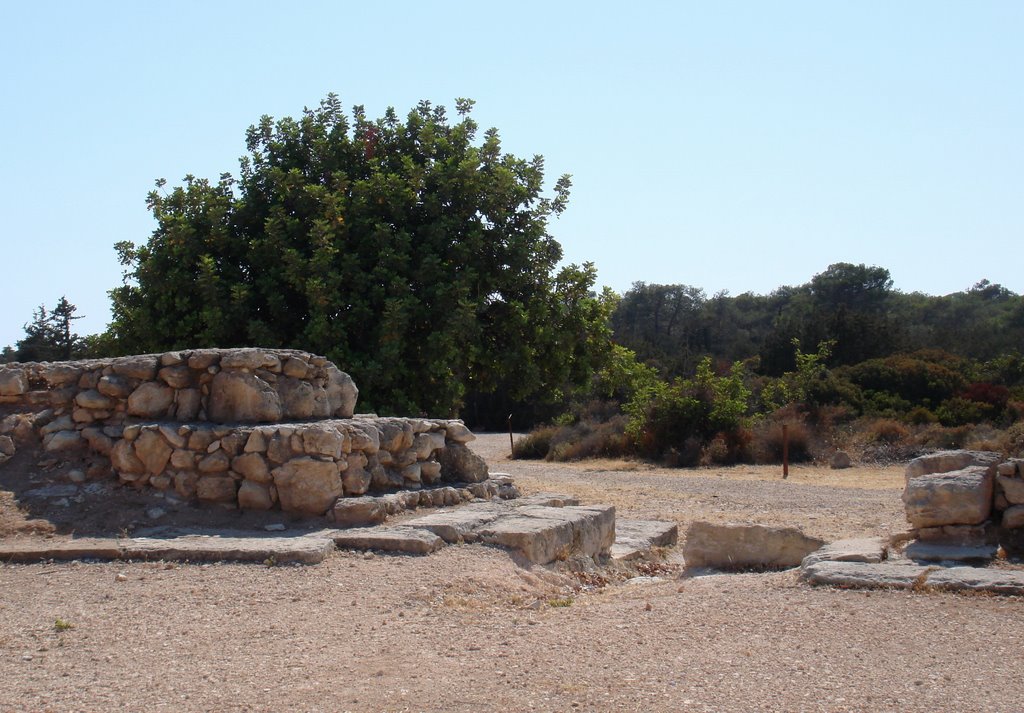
column 459, row 525
column 402, row 540
column 549, row 500
column 867, row 549
column 939, row 552
column 546, row 534
column 738, row 546
column 636, row 538
column 865, row 575
column 978, row 579
column 235, row 547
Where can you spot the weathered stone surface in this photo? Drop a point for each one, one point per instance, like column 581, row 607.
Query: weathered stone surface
column 153, row 451
column 961, row 497
column 7, row 447
column 187, row 404
column 364, row 436
column 216, row 462
column 257, row 442
column 322, row 439
column 307, row 486
column 124, row 460
column 356, row 480
column 341, row 393
column 840, row 460
column 357, row 512
column 543, row 535
column 457, row 432
column 12, row 382
column 115, row 386
column 60, row 374
column 217, row 489
column 178, row 377
column 252, row 466
column 548, row 500
column 948, row 461
column 295, row 367
column 405, row 540
column 238, row 396
column 859, row 574
column 458, row 525
column 867, row 549
column 1013, row 517
column 254, row 496
column 137, row 367
column 64, row 423
column 919, row 551
column 92, row 398
column 62, row 441
column 150, row 400
column 301, row 399
column 1012, row 489
column 734, row 546
column 424, row 444
column 636, row 538
column 430, row 472
column 461, row 464
column 247, row 358
column 977, row 579
column 185, row 484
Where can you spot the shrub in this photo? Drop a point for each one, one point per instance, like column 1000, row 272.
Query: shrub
column 937, row 436
column 768, row 440
column 885, row 430
column 534, row 445
column 921, row 416
column 1015, row 439
column 958, row 411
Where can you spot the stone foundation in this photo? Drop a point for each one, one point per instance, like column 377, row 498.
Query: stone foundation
column 257, row 429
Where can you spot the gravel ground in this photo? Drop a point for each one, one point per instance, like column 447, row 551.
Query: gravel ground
column 469, row 629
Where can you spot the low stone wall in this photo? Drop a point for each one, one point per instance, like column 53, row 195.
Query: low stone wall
column 224, row 426
column 965, row 496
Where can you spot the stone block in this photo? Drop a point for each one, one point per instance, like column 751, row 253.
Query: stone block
column 307, row 486
column 735, row 546
column 960, row 497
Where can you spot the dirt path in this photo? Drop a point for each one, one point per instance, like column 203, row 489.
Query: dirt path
column 467, row 629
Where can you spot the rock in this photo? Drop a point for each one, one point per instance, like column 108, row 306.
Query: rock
column 114, row 386
column 217, row 489
column 425, row 444
column 1013, row 517
column 301, row 400
column 868, row 549
column 76, row 476
column 136, row 367
column 551, row 500
column 150, row 400
column 357, row 512
column 182, row 459
column 859, row 574
column 64, row 423
column 405, row 540
column 187, row 404
column 840, row 460
column 636, row 538
column 257, row 442
column 307, row 486
column 177, row 377
column 734, row 546
column 124, row 460
column 237, row 396
column 12, row 382
column 322, row 440
column 948, row 461
column 173, row 436
column 254, row 496
column 153, row 451
column 7, row 447
column 185, row 484
column 1008, row 469
column 248, row 358
column 275, row 527
column 960, row 497
column 341, row 393
column 456, row 431
column 460, row 464
column 458, row 525
column 430, row 471
column 59, row 374
column 919, row 551
column 1012, row 488
column 356, row 480
column 94, row 399
column 216, row 462
column 364, row 437
column 544, row 535
column 295, row 367
column 155, row 513
column 62, row 441
column 160, row 482
column 252, row 466
column 203, row 359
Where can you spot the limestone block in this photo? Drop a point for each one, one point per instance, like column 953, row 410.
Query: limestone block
column 430, row 471
column 280, row 449
column 62, row 441
column 153, row 451
column 302, row 400
column 365, row 436
column 115, row 386
column 960, row 497
column 13, row 382
column 137, row 367
column 63, row 423
column 307, row 486
column 171, row 359
column 124, row 460
column 425, row 444
column 1013, row 518
column 860, row 574
column 182, row 459
column 254, row 496
column 232, row 443
column 735, row 546
column 177, row 377
column 150, row 400
column 257, row 442
column 251, row 466
column 295, row 367
column 457, row 432
column 203, row 359
column 188, row 404
column 216, row 462
column 357, row 512
column 160, row 482
column 1009, row 469
column 460, row 525
column 341, row 393
column 59, row 375
column 460, row 464
column 412, row 473
column 948, row 461
column 216, row 489
column 405, row 540
column 238, row 396
column 249, row 358
column 544, row 535
column 1012, row 488
column 201, row 438
column 356, row 480
column 322, row 440
column 92, row 399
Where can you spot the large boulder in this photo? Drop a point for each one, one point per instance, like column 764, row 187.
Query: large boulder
column 960, row 497
column 341, row 393
column 153, row 451
column 13, row 382
column 150, row 400
column 307, row 486
column 239, row 396
column 948, row 461
column 735, row 546
column 460, row 464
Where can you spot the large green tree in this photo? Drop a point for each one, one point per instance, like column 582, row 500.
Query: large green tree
column 411, row 253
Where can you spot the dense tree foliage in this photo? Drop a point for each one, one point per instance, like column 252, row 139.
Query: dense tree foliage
column 413, row 255
column 49, row 336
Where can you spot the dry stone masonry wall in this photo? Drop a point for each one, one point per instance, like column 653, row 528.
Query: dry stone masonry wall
column 254, row 428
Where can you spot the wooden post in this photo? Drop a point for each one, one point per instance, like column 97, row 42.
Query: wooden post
column 511, row 445
column 785, row 451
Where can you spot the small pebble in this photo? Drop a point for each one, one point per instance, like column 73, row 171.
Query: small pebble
column 121, row 577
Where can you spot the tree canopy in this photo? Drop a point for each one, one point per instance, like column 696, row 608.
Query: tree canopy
column 414, row 255
column 49, row 336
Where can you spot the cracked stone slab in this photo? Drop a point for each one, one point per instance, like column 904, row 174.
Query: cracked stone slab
column 870, row 550
column 402, row 540
column 866, row 575
column 939, row 552
column 192, row 548
column 459, row 525
column 545, row 534
column 635, row 538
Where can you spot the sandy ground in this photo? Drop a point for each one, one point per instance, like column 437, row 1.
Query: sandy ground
column 469, row 629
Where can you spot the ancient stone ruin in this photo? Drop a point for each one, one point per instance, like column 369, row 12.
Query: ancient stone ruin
column 258, row 429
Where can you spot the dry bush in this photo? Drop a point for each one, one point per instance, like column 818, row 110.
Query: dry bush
column 767, row 442
column 944, row 437
column 534, row 445
column 886, row 430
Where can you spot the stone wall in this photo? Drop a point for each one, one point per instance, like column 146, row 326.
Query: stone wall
column 252, row 428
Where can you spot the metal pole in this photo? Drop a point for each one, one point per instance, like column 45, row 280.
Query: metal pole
column 511, row 446
column 785, row 451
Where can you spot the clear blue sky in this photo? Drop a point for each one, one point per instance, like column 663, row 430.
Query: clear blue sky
column 733, row 146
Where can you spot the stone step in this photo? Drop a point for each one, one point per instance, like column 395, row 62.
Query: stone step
column 400, row 540
column 905, row 575
column 546, row 534
column 950, row 552
column 636, row 538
